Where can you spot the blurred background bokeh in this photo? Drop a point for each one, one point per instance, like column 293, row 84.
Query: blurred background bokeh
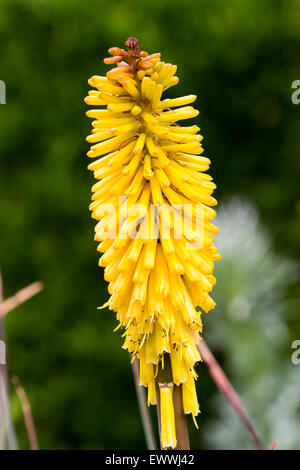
column 240, row 58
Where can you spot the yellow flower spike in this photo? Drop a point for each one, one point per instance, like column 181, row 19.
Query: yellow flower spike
column 157, row 257
column 167, row 417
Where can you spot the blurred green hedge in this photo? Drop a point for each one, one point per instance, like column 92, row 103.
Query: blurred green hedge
column 240, row 59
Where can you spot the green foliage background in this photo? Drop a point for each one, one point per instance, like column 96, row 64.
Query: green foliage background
column 240, row 58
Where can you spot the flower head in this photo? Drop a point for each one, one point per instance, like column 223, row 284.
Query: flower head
column 153, row 204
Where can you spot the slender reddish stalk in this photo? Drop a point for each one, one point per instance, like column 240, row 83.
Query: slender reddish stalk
column 7, row 433
column 225, row 387
column 144, row 410
column 20, row 297
column 28, row 418
column 6, row 306
column 183, row 441
column 273, row 445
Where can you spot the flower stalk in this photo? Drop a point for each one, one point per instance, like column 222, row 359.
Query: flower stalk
column 228, row 390
column 27, row 412
column 144, row 411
